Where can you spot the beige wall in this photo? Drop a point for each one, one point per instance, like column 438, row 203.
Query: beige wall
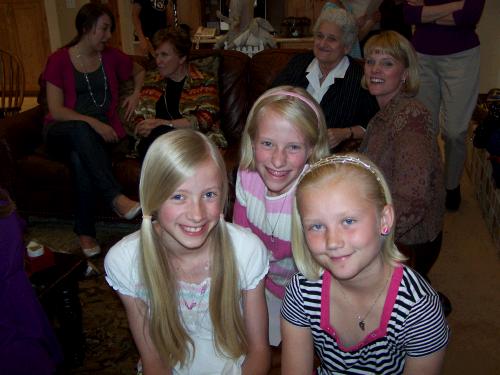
column 61, row 21
column 489, row 34
column 66, row 17
column 126, row 26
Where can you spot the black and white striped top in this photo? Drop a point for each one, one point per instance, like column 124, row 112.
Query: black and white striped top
column 412, row 324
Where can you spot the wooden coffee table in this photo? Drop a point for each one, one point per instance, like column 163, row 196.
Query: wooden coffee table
column 56, row 285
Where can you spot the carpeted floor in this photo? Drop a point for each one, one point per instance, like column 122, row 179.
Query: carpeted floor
column 467, row 272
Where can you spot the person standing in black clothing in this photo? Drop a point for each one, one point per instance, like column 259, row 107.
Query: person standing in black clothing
column 148, row 17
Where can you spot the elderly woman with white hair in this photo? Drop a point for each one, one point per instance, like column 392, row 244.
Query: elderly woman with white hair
column 333, row 78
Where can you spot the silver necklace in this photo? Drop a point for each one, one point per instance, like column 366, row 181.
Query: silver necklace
column 273, row 228
column 361, row 320
column 165, row 101
column 165, row 96
column 89, row 87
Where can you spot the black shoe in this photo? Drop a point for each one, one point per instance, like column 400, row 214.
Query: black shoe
column 445, row 304
column 453, row 199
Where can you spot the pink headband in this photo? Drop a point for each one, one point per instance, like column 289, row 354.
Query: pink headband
column 310, row 103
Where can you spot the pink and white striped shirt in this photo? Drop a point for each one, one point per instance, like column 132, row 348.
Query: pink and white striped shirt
column 269, row 217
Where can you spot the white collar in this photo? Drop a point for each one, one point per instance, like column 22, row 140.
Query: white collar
column 318, row 90
column 339, row 71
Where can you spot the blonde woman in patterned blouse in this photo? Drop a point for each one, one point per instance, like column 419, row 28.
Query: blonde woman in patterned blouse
column 400, row 139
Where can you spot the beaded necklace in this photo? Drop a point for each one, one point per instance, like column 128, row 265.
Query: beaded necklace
column 89, row 87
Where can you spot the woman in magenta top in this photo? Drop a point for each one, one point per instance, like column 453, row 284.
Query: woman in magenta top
column 82, row 81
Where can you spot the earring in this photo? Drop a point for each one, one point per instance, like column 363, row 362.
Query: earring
column 385, row 231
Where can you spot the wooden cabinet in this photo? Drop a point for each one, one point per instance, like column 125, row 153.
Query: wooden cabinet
column 304, row 8
column 295, row 43
column 24, row 32
column 189, row 12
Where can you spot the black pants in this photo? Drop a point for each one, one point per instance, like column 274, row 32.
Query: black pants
column 422, row 256
column 76, row 143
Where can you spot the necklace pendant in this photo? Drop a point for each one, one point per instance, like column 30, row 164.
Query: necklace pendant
column 362, row 325
column 190, row 306
column 272, row 238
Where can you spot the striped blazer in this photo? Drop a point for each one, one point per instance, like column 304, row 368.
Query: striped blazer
column 346, row 103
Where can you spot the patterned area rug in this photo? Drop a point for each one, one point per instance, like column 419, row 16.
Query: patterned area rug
column 109, row 347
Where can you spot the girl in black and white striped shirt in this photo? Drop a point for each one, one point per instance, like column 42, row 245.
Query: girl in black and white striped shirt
column 354, row 303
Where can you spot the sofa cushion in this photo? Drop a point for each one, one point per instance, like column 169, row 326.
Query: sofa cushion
column 43, row 185
column 265, row 67
column 127, row 172
column 40, row 172
column 233, row 92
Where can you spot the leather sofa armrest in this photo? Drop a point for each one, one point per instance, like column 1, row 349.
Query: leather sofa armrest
column 265, row 66
column 22, row 133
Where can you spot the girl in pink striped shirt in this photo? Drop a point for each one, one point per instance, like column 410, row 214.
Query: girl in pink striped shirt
column 285, row 131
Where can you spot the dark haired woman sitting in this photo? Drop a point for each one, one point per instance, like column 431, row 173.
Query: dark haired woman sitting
column 82, row 81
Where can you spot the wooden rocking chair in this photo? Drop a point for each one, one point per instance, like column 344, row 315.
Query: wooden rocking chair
column 11, row 84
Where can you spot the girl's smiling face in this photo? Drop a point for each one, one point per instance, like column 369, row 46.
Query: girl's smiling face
column 384, row 76
column 342, row 227
column 187, row 217
column 280, row 152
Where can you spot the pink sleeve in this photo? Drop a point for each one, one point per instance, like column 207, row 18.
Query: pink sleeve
column 239, row 210
column 240, row 215
column 54, row 70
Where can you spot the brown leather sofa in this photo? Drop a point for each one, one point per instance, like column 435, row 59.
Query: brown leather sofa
column 42, row 186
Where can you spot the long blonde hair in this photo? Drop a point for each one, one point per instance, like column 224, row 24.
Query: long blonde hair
column 171, row 159
column 357, row 169
column 296, row 106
